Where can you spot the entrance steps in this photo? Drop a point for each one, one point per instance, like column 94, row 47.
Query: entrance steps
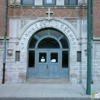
column 48, row 81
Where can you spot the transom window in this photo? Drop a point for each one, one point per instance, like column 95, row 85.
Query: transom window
column 48, row 43
column 49, row 2
column 71, row 2
column 27, row 2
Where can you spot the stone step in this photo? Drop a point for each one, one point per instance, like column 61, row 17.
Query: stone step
column 30, row 81
column 76, row 98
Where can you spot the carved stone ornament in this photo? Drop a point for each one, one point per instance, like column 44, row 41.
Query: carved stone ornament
column 10, row 52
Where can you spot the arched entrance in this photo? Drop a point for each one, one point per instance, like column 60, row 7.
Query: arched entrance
column 48, row 55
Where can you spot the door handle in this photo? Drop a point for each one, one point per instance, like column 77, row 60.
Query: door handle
column 47, row 66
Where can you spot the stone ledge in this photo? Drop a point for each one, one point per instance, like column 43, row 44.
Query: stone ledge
column 96, row 38
column 2, row 37
column 31, row 81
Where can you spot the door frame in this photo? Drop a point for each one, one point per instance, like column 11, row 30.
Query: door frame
column 60, row 49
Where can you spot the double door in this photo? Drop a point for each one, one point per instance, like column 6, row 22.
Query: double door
column 48, row 63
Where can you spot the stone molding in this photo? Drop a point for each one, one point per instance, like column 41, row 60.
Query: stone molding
column 59, row 24
column 96, row 38
column 44, row 20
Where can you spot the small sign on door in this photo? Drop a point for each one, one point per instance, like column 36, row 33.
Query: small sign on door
column 53, row 60
column 42, row 59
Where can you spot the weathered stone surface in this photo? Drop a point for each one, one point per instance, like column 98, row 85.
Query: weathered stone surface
column 16, row 72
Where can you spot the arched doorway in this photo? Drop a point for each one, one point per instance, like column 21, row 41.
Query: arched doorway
column 48, row 55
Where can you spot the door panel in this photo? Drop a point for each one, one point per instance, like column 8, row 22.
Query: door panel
column 49, row 67
column 42, row 71
column 54, row 64
column 54, row 71
column 42, row 64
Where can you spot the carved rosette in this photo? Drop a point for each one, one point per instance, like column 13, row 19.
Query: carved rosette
column 10, row 52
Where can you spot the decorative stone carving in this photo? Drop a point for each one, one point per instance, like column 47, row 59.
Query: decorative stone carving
column 73, row 22
column 23, row 23
column 59, row 24
column 10, row 52
column 49, row 12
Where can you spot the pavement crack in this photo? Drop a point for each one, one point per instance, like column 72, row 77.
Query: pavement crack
column 68, row 90
column 83, row 87
column 81, row 94
column 43, row 90
column 16, row 91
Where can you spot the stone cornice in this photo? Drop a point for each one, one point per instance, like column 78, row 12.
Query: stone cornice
column 96, row 38
column 2, row 38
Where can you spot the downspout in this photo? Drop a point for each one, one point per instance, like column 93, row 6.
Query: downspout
column 92, row 41
column 88, row 87
column 5, row 33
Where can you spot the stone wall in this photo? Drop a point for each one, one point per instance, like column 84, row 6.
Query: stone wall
column 23, row 22
column 1, row 59
column 96, row 62
column 16, row 72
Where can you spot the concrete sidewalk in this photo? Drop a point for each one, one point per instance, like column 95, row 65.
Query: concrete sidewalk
column 43, row 91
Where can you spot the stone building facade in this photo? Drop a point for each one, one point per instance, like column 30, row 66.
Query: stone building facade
column 55, row 30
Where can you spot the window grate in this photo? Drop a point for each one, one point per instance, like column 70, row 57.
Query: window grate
column 78, row 56
column 17, row 55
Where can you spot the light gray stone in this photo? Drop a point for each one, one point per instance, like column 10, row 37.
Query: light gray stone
column 23, row 30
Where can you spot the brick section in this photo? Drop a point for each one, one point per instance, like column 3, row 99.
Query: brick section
column 2, row 3
column 68, row 13
column 96, row 18
column 41, row 12
column 27, row 12
column 38, row 12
